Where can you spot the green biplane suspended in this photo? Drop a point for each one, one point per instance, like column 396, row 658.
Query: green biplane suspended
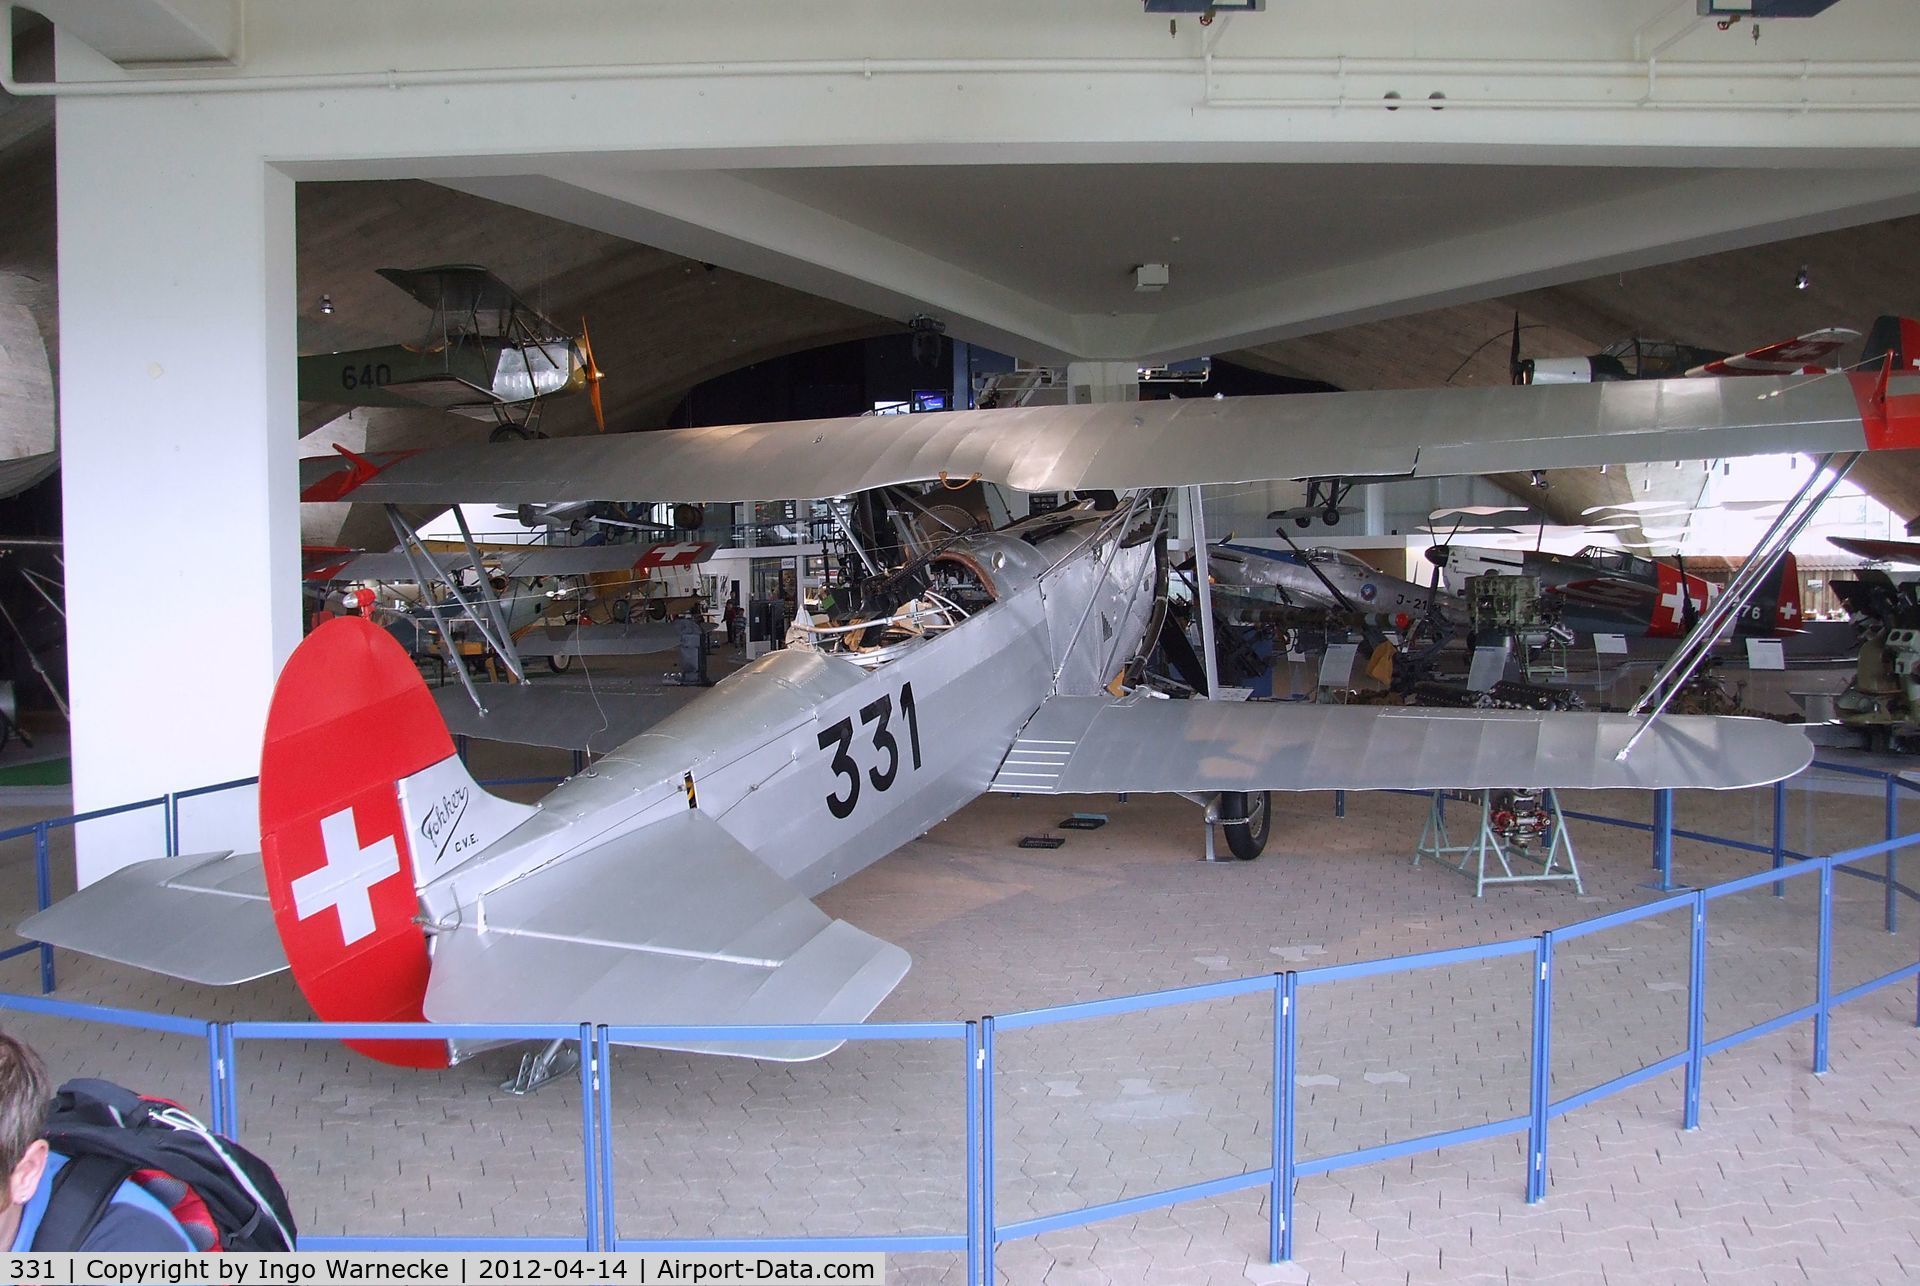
column 487, row 354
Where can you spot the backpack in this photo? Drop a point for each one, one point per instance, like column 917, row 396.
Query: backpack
column 222, row 1195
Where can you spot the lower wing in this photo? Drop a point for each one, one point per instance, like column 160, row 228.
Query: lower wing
column 1077, row 745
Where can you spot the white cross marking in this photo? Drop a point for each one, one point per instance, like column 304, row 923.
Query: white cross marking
column 1788, row 610
column 345, row 881
column 670, row 553
column 1672, row 601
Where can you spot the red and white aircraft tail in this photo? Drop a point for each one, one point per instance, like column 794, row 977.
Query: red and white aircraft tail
column 362, row 801
column 1803, row 354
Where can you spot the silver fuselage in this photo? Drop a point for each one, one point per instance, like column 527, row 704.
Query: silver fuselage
column 1290, row 575
column 821, row 766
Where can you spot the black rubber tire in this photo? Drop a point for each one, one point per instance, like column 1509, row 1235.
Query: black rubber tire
column 560, row 664
column 620, row 611
column 1247, row 818
column 1303, row 521
column 507, row 433
column 1330, row 515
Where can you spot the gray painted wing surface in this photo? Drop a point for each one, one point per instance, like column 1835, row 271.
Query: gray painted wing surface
column 1094, row 745
column 575, row 560
column 634, row 638
column 566, row 718
column 393, row 566
column 1421, row 432
column 203, row 917
column 675, row 923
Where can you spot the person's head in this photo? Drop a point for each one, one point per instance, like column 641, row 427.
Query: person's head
column 24, row 1096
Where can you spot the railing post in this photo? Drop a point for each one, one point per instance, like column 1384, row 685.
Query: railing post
column 173, row 824
column 43, row 898
column 1893, row 856
column 1542, row 1070
column 989, row 1238
column 1339, row 803
column 1697, row 1009
column 1286, row 1031
column 230, row 1085
column 1663, row 837
column 1779, row 834
column 975, row 1061
column 590, row 1141
column 603, row 1055
column 217, row 1079
column 1823, row 978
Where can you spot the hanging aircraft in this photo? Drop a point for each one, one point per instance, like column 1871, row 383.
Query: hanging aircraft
column 1610, row 591
column 1321, row 579
column 1648, row 359
column 544, row 592
column 486, row 354
column 671, row 882
column 1325, row 500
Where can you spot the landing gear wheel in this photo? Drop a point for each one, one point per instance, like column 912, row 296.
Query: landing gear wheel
column 508, row 433
column 1305, row 520
column 1247, row 817
column 621, row 611
column 560, row 663
column 1330, row 515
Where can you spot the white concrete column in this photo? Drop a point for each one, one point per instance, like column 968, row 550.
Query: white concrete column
column 1103, row 382
column 178, row 427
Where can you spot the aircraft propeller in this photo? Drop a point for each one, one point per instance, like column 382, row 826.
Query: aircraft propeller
column 1518, row 371
column 594, row 376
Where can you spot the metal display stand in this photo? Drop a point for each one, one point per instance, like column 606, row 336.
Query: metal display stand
column 1489, row 843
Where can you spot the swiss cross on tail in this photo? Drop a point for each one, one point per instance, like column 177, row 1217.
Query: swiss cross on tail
column 349, row 721
column 682, row 555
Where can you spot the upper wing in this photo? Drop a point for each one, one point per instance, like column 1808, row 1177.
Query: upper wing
column 472, row 296
column 1076, row 745
column 1886, row 551
column 390, row 566
column 581, row 560
column 203, row 917
column 1784, row 357
column 673, row 924
column 1411, row 432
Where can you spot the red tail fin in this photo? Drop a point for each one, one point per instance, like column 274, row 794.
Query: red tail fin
column 1786, row 607
column 361, row 795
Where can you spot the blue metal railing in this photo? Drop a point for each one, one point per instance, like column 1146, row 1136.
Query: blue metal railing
column 983, row 1233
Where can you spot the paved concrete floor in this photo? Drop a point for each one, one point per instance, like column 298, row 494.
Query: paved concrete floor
column 1792, row 1178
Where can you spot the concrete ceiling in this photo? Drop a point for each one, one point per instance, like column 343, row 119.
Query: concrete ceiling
column 1072, row 234
column 1366, row 250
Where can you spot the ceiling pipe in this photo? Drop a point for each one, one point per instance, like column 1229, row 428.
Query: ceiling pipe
column 866, row 68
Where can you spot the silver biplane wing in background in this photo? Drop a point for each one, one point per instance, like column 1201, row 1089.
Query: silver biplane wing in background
column 1124, row 445
column 670, row 882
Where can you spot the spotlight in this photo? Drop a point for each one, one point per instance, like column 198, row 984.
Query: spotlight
column 1802, row 279
column 326, row 305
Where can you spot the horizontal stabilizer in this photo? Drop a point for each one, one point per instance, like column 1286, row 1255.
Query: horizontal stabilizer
column 1080, row 745
column 672, row 924
column 203, row 917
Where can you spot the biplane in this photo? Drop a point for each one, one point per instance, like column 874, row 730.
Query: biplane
column 671, row 882
column 486, row 354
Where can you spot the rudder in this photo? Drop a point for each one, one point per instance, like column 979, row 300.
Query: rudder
column 362, row 800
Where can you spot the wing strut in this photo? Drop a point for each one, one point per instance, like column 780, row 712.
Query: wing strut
column 1202, row 589
column 1827, row 472
column 423, row 568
